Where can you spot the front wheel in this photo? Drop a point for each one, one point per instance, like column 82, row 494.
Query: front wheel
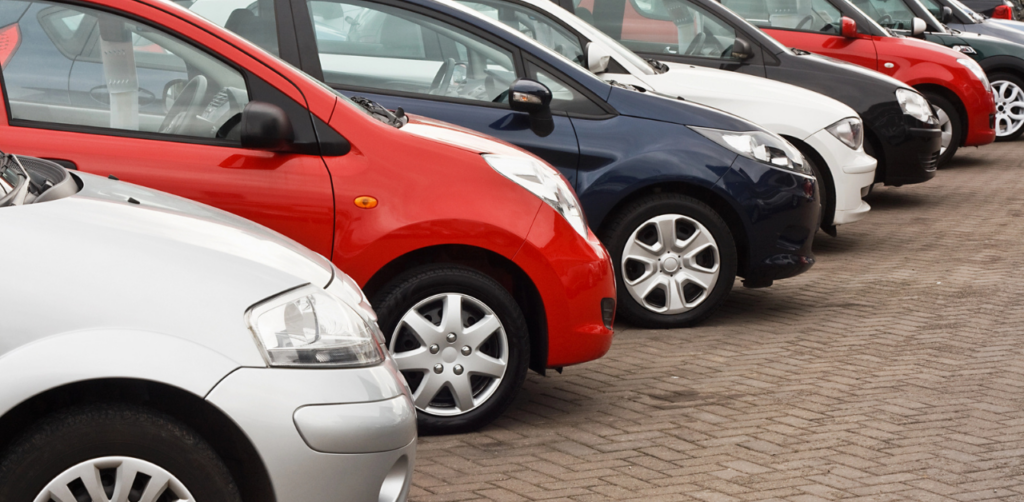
column 461, row 342
column 113, row 452
column 950, row 123
column 1009, row 93
column 675, row 260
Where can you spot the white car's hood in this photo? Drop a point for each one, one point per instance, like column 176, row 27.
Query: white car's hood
column 779, row 107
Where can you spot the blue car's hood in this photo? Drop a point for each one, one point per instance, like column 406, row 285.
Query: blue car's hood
column 653, row 107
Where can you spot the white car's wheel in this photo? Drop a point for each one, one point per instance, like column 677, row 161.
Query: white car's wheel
column 1008, row 91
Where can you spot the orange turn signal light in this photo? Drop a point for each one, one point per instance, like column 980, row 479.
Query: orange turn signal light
column 366, row 202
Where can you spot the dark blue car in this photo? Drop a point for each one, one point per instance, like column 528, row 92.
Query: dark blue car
column 684, row 197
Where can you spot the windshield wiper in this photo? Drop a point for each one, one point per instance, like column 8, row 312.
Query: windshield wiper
column 657, row 65
column 398, row 118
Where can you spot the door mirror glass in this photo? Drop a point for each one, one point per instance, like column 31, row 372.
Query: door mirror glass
column 947, row 15
column 741, row 49
column 849, row 27
column 598, row 58
column 266, row 127
column 917, row 27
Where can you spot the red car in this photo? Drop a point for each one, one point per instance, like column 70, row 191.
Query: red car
column 476, row 254
column 954, row 83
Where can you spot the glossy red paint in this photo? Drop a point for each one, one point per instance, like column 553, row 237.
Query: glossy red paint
column 915, row 62
column 432, row 186
column 1002, row 12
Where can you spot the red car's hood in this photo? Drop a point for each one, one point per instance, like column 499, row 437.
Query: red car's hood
column 460, row 137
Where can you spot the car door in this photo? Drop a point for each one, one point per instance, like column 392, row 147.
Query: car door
column 158, row 111
column 404, row 57
column 814, row 26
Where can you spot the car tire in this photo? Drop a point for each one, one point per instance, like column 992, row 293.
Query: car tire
column 950, row 123
column 125, row 444
column 1008, row 90
column 454, row 369
column 826, row 190
column 634, row 241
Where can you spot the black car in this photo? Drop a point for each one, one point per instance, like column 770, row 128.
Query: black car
column 907, row 147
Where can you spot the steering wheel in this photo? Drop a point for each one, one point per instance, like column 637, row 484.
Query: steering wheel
column 695, row 45
column 883, row 19
column 443, row 79
column 804, row 21
column 181, row 114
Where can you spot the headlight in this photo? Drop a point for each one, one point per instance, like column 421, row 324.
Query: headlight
column 977, row 71
column 544, row 182
column 307, row 327
column 349, row 292
column 915, row 105
column 849, row 130
column 760, row 146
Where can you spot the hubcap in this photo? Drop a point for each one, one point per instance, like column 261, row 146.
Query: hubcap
column 472, row 359
column 670, row 264
column 1009, row 107
column 109, row 479
column 946, row 126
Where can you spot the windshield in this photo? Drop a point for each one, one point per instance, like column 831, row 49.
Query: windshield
column 956, row 4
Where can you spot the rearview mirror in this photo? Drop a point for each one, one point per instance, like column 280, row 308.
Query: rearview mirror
column 849, row 27
column 597, row 58
column 917, row 27
column 741, row 49
column 946, row 16
column 530, row 96
column 266, row 127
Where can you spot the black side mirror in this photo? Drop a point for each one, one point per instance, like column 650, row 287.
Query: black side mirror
column 530, row 96
column 266, row 127
column 741, row 49
column 946, row 16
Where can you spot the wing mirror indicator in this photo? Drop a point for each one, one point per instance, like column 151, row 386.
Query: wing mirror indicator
column 534, row 98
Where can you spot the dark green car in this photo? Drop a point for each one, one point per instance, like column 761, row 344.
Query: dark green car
column 1003, row 61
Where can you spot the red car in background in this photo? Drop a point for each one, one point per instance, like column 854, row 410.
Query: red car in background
column 954, row 83
column 476, row 254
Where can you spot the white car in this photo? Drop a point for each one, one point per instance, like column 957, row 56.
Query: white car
column 828, row 133
column 156, row 349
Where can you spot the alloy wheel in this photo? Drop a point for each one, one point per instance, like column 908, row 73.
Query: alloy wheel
column 453, row 351
column 946, row 126
column 109, row 479
column 670, row 264
column 1009, row 107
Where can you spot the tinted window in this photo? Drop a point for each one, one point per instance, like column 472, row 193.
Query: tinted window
column 251, row 19
column 888, row 13
column 363, row 44
column 815, row 16
column 698, row 32
column 533, row 24
column 124, row 76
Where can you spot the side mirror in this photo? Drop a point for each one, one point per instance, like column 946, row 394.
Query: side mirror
column 597, row 58
column 946, row 16
column 917, row 27
column 741, row 49
column 530, row 96
column 266, row 127
column 1002, row 12
column 849, row 28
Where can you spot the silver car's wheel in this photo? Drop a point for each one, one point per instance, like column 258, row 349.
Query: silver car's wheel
column 463, row 352
column 947, row 128
column 1009, row 107
column 670, row 264
column 108, row 479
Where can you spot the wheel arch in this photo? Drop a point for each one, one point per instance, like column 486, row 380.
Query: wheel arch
column 494, row 265
column 706, row 195
column 220, row 431
column 953, row 98
column 826, row 173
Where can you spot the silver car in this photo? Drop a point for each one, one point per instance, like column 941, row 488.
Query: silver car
column 156, row 349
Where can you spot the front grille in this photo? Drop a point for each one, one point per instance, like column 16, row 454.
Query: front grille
column 930, row 161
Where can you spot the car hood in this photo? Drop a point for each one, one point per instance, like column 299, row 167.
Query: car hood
column 986, row 46
column 460, row 137
column 663, row 108
column 1001, row 31
column 779, row 107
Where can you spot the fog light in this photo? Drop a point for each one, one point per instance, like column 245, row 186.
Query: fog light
column 608, row 311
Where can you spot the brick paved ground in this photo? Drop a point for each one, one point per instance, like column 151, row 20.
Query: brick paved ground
column 893, row 370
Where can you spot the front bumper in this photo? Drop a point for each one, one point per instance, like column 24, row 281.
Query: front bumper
column 573, row 276
column 852, row 170
column 326, row 434
column 781, row 212
column 981, row 115
column 911, row 153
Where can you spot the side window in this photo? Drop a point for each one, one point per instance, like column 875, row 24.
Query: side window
column 933, row 7
column 252, row 20
column 698, row 32
column 533, row 24
column 118, row 74
column 563, row 97
column 814, row 16
column 362, row 44
column 888, row 13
